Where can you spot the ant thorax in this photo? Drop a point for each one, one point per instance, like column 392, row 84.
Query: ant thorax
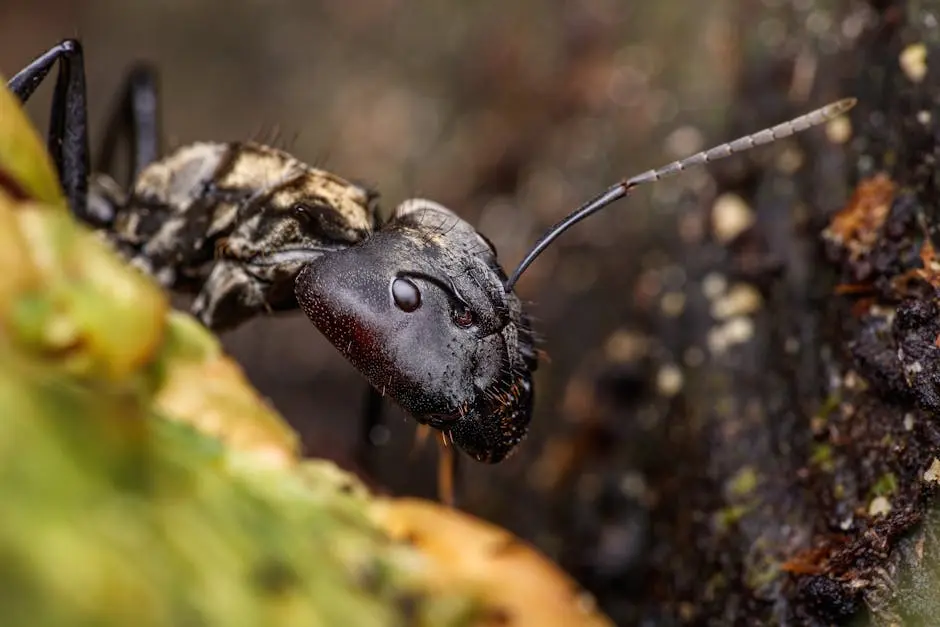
column 420, row 309
column 231, row 222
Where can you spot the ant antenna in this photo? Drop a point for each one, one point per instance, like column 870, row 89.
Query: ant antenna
column 624, row 187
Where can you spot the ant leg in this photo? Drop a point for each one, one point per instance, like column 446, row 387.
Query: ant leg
column 448, row 473
column 448, row 470
column 68, row 125
column 135, row 117
column 371, row 418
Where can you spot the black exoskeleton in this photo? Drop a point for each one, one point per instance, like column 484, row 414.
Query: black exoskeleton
column 419, row 308
column 419, row 304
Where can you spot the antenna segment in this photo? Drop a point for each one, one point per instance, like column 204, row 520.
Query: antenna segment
column 623, row 188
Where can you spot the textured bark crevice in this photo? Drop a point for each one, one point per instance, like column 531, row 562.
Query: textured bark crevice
column 766, row 448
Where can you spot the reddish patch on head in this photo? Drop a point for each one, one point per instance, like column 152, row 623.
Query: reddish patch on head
column 364, row 341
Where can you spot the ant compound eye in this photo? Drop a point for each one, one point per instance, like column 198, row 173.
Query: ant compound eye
column 463, row 317
column 406, row 294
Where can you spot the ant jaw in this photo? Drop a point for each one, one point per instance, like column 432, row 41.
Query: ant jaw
column 441, row 422
column 492, row 431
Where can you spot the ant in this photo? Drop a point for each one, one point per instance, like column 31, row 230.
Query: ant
column 419, row 303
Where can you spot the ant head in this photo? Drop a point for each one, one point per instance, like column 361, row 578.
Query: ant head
column 421, row 310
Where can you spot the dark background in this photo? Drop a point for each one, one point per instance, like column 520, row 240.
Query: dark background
column 512, row 114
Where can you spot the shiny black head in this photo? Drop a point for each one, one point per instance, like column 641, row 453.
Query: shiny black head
column 421, row 310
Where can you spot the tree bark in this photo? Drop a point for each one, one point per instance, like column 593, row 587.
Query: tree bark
column 767, row 449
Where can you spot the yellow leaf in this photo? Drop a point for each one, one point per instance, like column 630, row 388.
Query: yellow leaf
column 519, row 585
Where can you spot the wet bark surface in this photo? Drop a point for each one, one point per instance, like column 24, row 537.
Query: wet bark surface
column 765, row 452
